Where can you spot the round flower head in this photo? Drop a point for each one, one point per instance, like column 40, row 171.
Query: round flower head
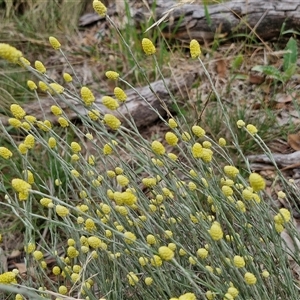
column 283, row 217
column 156, row 261
column 187, row 296
column 28, row 176
column 148, row 280
column 10, row 53
column 250, row 278
column 63, row 122
column 99, row 8
column 257, row 182
column 29, row 141
column 195, row 49
column 46, row 202
column 112, row 121
column 62, row 211
column 57, row 111
column 171, row 138
column 52, row 142
column 185, row 136
column 54, row 43
column 210, row 295
column 20, row 186
column 202, row 253
column 15, row 122
column 132, row 278
column 158, row 148
column 43, row 86
column 165, row 253
column 172, row 123
column 56, row 88
column 17, row 111
column 120, row 94
column 110, row 102
column 222, row 142
column 252, row 129
column 231, row 171
column 112, row 75
column 122, row 180
column 228, row 296
column 216, row 231
column 5, row 153
column 129, row 237
column 94, row 114
column 8, row 278
column 87, row 96
column 148, row 47
column 240, row 123
column 38, row 255
column 32, row 86
column 67, row 77
column 265, row 274
column 239, row 261
column 75, row 147
column 197, row 150
column 198, row 131
column 233, row 291
column 39, row 66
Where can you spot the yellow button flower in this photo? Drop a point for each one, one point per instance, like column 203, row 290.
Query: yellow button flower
column 75, row 147
column 165, row 253
column 129, row 237
column 87, row 96
column 158, row 148
column 112, row 121
column 5, row 153
column 250, row 278
column 17, row 111
column 54, row 43
column 132, row 278
column 195, row 49
column 239, row 261
column 171, row 138
column 257, row 182
column 8, row 277
column 148, row 47
column 187, row 296
column 40, row 66
column 110, row 102
column 61, row 210
column 197, row 150
column 10, row 53
column 198, row 131
column 231, row 171
column 99, row 8
column 120, row 94
column 112, row 75
column 216, row 231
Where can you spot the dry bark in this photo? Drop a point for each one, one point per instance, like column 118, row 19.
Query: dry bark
column 285, row 161
column 188, row 21
column 137, row 105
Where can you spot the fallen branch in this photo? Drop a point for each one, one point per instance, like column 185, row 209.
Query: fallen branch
column 135, row 106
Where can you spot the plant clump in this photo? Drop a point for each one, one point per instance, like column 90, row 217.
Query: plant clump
column 176, row 222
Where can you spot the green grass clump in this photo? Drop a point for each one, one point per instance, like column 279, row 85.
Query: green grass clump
column 132, row 218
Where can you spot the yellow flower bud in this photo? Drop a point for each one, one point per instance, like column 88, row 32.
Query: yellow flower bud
column 195, row 49
column 54, row 43
column 148, row 47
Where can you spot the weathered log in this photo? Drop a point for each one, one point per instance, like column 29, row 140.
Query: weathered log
column 143, row 104
column 284, row 161
column 265, row 19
